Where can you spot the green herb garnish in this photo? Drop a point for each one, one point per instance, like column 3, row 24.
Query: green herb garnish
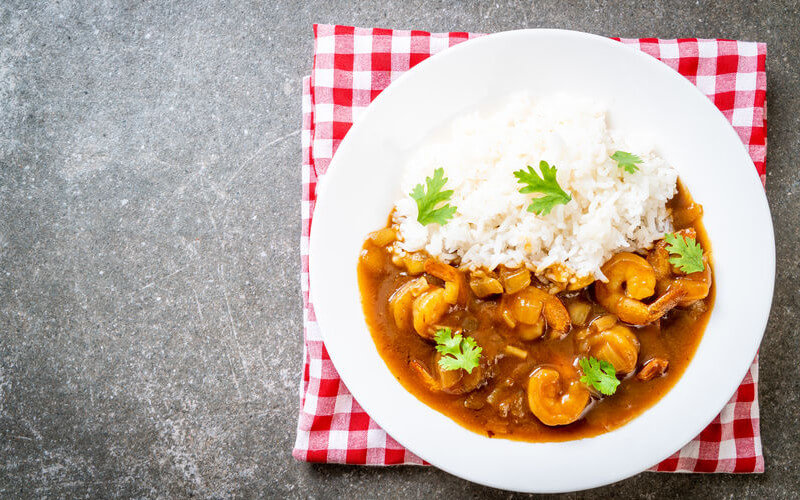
column 457, row 351
column 689, row 253
column 627, row 161
column 546, row 185
column 427, row 201
column 600, row 375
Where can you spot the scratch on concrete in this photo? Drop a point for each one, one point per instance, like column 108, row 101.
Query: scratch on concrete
column 258, row 152
column 162, row 278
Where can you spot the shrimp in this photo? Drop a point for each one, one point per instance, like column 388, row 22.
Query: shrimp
column 607, row 340
column 421, row 304
column 554, row 398
column 427, row 309
column 534, row 308
column 402, row 300
column 692, row 287
column 449, row 381
column 454, row 282
column 630, row 279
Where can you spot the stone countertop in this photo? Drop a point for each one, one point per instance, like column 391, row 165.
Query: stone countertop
column 150, row 308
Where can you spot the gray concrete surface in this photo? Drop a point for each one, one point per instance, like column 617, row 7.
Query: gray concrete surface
column 150, row 320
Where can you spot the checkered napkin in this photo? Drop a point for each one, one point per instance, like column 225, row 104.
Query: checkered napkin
column 351, row 67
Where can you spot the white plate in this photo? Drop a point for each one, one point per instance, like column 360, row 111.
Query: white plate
column 362, row 183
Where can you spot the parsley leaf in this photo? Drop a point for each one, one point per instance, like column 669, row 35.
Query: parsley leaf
column 689, row 252
column 427, row 201
column 457, row 351
column 446, row 343
column 600, row 375
column 627, row 161
column 546, row 185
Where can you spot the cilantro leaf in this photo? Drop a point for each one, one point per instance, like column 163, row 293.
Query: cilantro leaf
column 427, row 201
column 689, row 253
column 546, row 185
column 446, row 343
column 457, row 351
column 627, row 161
column 600, row 375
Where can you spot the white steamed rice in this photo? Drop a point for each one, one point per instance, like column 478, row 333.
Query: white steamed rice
column 610, row 211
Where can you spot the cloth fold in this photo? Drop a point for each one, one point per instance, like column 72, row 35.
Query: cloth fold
column 351, row 67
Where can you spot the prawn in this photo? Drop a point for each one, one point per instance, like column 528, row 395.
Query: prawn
column 427, row 309
column 454, row 282
column 692, row 286
column 630, row 279
column 402, row 300
column 554, row 398
column 607, row 340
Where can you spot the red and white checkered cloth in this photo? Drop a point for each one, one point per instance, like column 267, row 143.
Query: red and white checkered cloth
column 351, row 67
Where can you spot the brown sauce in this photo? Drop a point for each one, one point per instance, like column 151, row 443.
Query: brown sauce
column 674, row 337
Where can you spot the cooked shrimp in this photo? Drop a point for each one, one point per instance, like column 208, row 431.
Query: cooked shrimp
column 534, row 309
column 402, row 300
column 427, row 309
column 455, row 283
column 554, row 397
column 630, row 274
column 607, row 340
column 692, row 287
column 630, row 279
column 449, row 381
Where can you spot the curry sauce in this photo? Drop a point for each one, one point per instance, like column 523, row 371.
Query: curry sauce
column 497, row 405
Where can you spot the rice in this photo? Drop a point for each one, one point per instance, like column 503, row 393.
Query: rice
column 610, row 211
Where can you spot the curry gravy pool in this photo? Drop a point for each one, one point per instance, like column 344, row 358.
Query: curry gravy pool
column 535, row 335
